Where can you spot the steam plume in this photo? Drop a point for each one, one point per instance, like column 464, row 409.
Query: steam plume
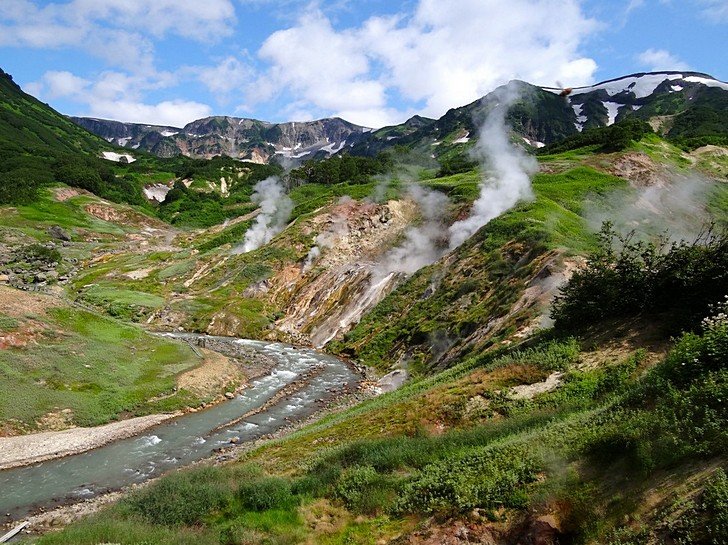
column 423, row 244
column 676, row 206
column 326, row 239
column 510, row 170
column 275, row 208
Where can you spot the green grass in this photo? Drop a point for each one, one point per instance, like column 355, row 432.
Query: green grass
column 496, row 264
column 122, row 302
column 34, row 218
column 608, row 429
column 94, row 366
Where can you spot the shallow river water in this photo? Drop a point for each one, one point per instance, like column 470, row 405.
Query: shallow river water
column 182, row 440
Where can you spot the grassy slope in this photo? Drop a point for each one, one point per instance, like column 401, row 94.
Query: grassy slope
column 61, row 357
column 446, row 444
column 407, row 443
column 31, row 127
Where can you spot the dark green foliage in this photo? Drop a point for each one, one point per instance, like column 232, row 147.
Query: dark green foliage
column 706, row 116
column 38, row 253
column 606, row 139
column 363, row 490
column 714, row 505
column 32, row 136
column 234, row 234
column 455, row 165
column 339, row 169
column 190, row 208
column 489, row 478
column 97, row 176
column 181, row 498
column 681, row 280
column 265, row 493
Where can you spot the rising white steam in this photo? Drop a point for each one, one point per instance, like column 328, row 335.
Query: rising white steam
column 423, row 244
column 509, row 170
column 275, row 208
column 675, row 206
column 337, row 228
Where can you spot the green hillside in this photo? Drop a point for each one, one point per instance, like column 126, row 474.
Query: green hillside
column 567, row 364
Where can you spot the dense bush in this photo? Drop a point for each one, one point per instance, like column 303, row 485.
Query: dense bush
column 608, row 139
column 181, row 498
column 190, row 208
column 489, row 477
column 681, row 280
column 265, row 493
column 97, row 176
column 339, row 169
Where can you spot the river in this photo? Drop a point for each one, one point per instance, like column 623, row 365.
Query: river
column 183, row 440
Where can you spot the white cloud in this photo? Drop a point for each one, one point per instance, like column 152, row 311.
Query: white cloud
column 661, row 59
column 119, row 31
column 228, row 76
column 176, row 113
column 328, row 68
column 62, row 84
column 119, row 96
column 715, row 11
column 438, row 57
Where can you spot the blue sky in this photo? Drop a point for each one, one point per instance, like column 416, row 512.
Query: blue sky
column 373, row 62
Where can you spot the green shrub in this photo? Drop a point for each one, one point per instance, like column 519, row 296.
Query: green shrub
column 266, row 493
column 681, row 281
column 715, row 506
column 182, row 498
column 363, row 490
column 489, row 477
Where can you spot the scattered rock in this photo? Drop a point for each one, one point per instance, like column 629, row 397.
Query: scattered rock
column 59, row 234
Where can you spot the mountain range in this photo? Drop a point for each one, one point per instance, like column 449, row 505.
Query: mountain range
column 670, row 100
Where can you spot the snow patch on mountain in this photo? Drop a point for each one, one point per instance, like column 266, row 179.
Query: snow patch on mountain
column 580, row 119
column 612, row 111
column 116, row 157
column 708, row 82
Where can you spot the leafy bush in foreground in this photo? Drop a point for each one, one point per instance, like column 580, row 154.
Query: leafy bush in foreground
column 487, row 478
column 181, row 498
column 682, row 280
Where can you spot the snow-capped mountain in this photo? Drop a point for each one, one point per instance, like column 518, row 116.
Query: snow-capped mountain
column 662, row 93
column 671, row 101
column 246, row 139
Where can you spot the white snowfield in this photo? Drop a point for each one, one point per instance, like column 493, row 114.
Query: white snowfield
column 612, row 111
column 113, row 156
column 642, row 86
column 156, row 192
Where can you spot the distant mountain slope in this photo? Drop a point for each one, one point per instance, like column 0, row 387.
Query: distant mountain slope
column 679, row 105
column 247, row 139
column 29, row 126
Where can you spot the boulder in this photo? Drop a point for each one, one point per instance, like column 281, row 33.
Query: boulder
column 56, row 232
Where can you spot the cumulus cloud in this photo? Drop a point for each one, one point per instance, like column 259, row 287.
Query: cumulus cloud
column 435, row 59
column 715, row 11
column 228, row 76
column 119, row 96
column 661, row 59
column 119, row 32
column 321, row 65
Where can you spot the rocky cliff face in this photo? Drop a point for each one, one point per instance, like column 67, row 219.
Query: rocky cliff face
column 339, row 281
column 245, row 139
column 671, row 100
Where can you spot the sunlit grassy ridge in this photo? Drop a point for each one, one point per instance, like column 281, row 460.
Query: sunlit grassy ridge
column 93, row 366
